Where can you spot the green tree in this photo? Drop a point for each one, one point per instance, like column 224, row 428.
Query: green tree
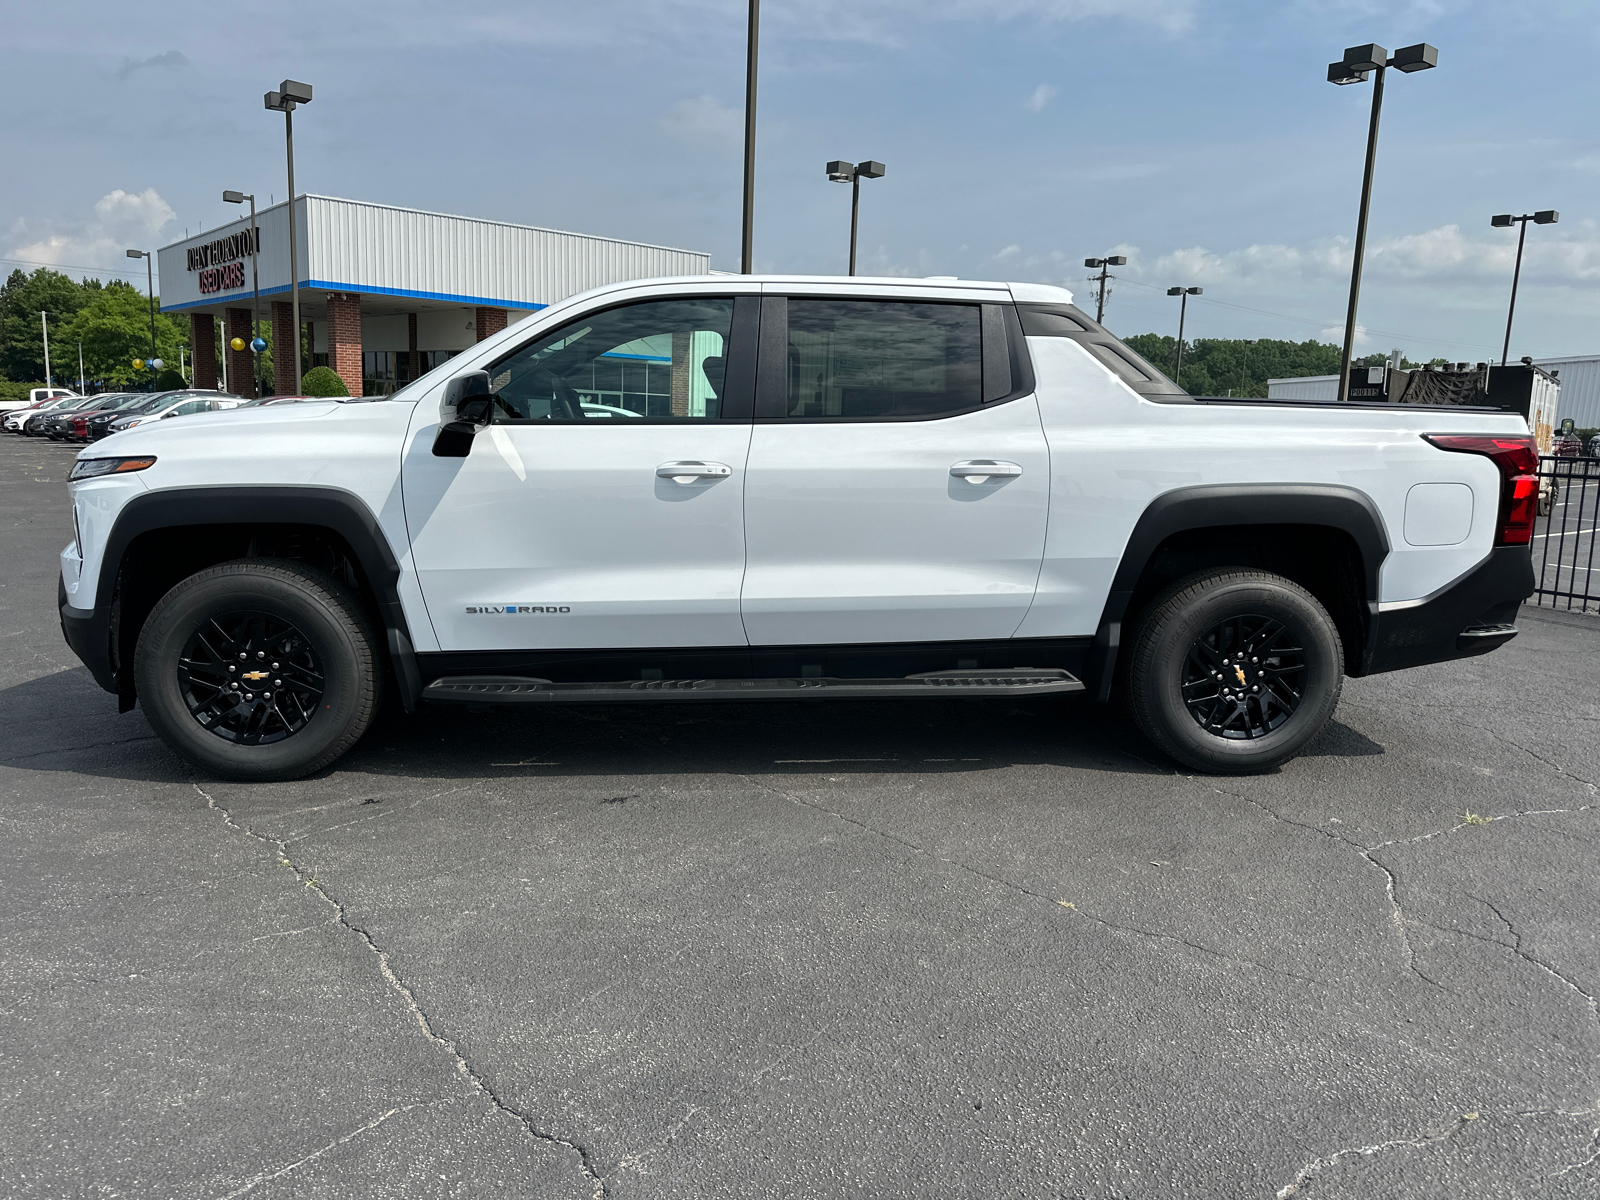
column 114, row 327
column 22, row 296
column 1241, row 367
column 323, row 381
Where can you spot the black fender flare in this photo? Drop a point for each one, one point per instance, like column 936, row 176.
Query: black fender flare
column 345, row 513
column 1212, row 506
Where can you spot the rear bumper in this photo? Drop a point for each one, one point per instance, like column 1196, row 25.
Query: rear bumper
column 1472, row 616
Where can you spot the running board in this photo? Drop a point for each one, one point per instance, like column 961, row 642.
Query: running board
column 513, row 689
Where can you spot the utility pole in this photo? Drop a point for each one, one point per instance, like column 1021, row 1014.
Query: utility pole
column 81, row 388
column 45, row 325
column 1115, row 260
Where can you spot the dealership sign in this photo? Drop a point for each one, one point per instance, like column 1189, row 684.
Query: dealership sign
column 220, row 262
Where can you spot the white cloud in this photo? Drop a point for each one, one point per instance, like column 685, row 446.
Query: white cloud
column 704, row 119
column 1011, row 251
column 1444, row 255
column 120, row 221
column 1041, row 96
column 172, row 58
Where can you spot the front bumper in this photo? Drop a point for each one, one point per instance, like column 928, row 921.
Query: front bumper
column 88, row 633
column 1471, row 616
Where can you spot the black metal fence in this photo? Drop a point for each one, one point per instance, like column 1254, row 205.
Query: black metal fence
column 1564, row 537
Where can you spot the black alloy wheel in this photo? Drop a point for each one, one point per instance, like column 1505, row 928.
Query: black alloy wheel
column 250, row 678
column 1234, row 671
column 259, row 669
column 1242, row 677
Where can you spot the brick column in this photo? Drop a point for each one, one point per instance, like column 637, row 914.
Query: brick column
column 282, row 348
column 344, row 338
column 490, row 321
column 413, row 355
column 241, row 363
column 203, row 345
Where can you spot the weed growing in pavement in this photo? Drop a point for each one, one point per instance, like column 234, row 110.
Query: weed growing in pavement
column 1473, row 819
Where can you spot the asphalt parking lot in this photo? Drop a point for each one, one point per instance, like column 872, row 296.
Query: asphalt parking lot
column 926, row 948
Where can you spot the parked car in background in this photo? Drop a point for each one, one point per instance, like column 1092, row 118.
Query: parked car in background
column 1567, row 445
column 170, row 404
column 36, row 396
column 76, row 423
column 57, row 425
column 1594, row 446
column 17, row 418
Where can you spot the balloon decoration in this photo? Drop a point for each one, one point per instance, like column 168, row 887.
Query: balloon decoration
column 237, row 344
column 258, row 344
column 138, row 364
column 156, row 364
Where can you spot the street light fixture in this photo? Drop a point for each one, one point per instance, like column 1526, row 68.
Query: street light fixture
column 1183, row 311
column 231, row 197
column 840, row 171
column 1545, row 216
column 1358, row 63
column 286, row 99
column 150, row 283
column 1115, row 260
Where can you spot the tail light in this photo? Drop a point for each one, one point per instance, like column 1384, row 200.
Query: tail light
column 1518, row 460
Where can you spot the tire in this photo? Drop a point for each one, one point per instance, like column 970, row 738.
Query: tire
column 254, row 613
column 1182, row 660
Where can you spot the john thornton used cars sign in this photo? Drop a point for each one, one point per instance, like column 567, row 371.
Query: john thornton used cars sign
column 221, row 263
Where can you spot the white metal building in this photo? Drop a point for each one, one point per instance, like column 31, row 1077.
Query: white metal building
column 1580, row 387
column 387, row 292
column 1306, row 387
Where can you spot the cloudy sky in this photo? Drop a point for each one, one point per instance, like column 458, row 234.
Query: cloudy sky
column 1198, row 137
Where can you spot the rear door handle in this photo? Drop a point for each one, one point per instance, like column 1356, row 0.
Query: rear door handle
column 685, row 473
column 976, row 470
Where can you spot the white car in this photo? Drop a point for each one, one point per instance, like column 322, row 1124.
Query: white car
column 35, row 395
column 177, row 404
column 17, row 417
column 832, row 487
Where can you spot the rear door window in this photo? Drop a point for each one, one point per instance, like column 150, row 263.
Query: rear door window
column 882, row 360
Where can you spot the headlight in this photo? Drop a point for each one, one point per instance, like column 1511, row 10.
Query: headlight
column 88, row 468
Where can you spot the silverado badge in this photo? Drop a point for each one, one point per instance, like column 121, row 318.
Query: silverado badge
column 1239, row 671
column 254, row 675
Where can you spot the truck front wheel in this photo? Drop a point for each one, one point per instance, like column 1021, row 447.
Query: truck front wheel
column 1234, row 671
column 259, row 669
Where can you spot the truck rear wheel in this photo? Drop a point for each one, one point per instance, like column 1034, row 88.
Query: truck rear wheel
column 1234, row 671
column 259, row 669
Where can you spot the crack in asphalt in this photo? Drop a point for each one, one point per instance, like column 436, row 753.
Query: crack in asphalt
column 463, row 1068
column 1312, row 1169
column 269, row 1176
column 16, row 758
column 1017, row 887
column 1547, row 968
column 1397, row 916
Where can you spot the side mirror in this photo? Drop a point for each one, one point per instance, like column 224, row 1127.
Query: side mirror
column 467, row 407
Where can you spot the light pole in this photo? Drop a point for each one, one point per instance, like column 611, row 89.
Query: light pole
column 255, row 279
column 286, row 99
column 1357, row 64
column 45, row 325
column 1183, row 311
column 150, row 283
column 81, row 387
column 840, row 171
column 1115, row 260
column 747, row 237
column 1546, row 216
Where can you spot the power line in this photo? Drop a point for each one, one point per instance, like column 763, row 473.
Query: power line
column 28, row 262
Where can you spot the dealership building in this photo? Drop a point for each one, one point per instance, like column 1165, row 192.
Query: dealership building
column 386, row 293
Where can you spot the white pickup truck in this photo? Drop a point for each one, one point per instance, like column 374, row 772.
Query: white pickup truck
column 36, row 396
column 741, row 488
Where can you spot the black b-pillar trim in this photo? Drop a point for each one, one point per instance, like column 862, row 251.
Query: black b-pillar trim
column 1213, row 506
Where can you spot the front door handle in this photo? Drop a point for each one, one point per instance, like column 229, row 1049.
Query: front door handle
column 976, row 470
column 685, row 473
